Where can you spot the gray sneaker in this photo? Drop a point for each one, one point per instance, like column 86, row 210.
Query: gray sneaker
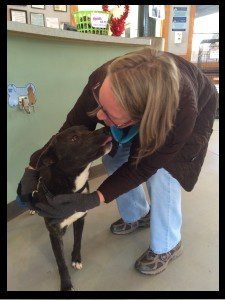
column 150, row 263
column 121, row 227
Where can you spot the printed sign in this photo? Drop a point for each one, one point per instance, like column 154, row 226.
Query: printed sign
column 179, row 21
column 179, row 24
column 99, row 20
column 157, row 11
column 180, row 11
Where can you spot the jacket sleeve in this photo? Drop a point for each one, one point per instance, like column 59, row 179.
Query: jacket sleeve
column 77, row 116
column 128, row 177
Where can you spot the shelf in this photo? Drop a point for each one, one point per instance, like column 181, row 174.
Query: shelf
column 53, row 33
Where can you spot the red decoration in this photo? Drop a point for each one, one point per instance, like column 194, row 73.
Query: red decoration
column 117, row 25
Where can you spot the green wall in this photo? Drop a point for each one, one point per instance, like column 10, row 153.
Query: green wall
column 59, row 70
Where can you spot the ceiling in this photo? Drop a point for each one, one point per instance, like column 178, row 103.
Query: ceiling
column 203, row 10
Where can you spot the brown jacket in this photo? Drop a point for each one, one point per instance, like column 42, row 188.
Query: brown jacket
column 185, row 148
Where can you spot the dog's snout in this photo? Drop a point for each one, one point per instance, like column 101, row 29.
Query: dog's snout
column 106, row 130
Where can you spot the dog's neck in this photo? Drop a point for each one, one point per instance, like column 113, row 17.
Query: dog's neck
column 63, row 181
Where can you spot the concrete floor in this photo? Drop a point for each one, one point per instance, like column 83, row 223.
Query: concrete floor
column 108, row 259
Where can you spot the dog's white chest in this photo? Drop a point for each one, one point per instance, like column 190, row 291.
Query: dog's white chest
column 79, row 182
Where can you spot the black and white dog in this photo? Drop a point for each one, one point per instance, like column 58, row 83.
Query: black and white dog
column 64, row 168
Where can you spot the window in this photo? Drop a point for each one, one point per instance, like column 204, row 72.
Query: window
column 205, row 43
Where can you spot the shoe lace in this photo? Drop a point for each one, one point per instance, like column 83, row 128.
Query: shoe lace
column 151, row 254
column 165, row 256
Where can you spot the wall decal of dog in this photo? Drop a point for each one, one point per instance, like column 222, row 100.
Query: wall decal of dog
column 23, row 97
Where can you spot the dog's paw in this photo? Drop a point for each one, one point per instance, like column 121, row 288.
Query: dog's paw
column 77, row 265
column 71, row 288
column 32, row 212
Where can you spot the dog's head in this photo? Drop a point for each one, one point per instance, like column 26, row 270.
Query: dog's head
column 76, row 147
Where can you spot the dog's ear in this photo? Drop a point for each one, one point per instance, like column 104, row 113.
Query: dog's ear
column 47, row 157
column 81, row 127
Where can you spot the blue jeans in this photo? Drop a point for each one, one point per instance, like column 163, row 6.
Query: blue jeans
column 165, row 203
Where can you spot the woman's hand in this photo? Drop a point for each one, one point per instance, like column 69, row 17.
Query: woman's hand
column 65, row 205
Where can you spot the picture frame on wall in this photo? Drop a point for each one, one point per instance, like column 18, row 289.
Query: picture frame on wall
column 38, row 6
column 52, row 22
column 62, row 8
column 17, row 15
column 37, row 19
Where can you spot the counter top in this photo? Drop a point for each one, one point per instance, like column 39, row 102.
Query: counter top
column 53, row 33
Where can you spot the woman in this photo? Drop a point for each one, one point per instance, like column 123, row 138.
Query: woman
column 160, row 110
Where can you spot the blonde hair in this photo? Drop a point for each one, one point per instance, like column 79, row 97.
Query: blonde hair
column 146, row 84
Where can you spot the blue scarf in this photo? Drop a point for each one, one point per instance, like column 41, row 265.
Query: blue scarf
column 124, row 135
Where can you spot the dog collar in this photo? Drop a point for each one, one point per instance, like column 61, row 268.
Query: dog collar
column 46, row 191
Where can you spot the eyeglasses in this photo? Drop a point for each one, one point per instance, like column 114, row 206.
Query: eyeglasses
column 95, row 92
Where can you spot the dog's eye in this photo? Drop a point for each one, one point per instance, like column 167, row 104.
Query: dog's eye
column 74, row 138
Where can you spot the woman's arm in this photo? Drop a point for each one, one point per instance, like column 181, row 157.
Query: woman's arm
column 128, row 177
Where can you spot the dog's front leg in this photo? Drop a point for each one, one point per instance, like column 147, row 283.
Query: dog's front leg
column 78, row 226
column 57, row 247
